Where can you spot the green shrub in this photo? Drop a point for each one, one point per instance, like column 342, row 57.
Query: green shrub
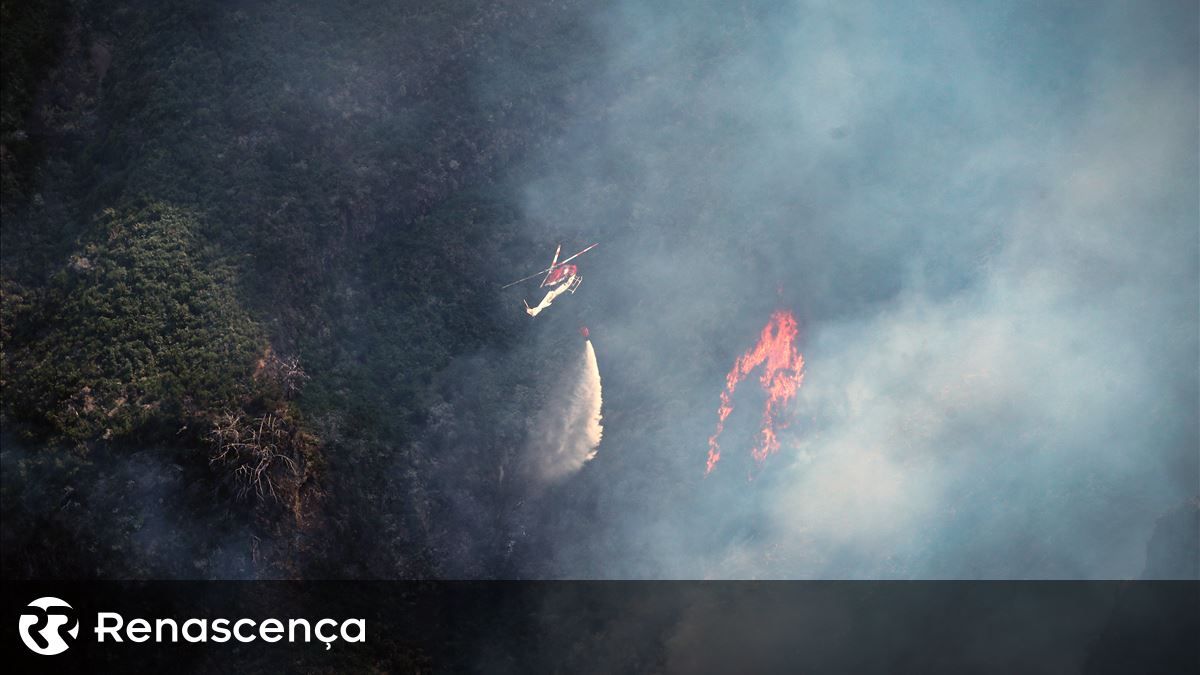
column 140, row 334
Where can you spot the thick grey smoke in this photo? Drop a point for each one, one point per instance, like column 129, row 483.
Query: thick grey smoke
column 985, row 219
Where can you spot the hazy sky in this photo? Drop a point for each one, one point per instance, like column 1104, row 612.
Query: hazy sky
column 984, row 216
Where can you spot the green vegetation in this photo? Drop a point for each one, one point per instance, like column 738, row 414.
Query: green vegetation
column 239, row 246
column 31, row 44
column 138, row 332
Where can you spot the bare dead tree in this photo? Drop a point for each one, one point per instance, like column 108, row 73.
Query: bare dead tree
column 286, row 372
column 256, row 449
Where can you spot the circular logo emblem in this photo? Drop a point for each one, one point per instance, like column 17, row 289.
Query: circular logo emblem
column 47, row 624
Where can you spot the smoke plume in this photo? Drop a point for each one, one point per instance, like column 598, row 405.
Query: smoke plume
column 984, row 222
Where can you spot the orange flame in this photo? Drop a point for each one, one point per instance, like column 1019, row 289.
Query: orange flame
column 782, row 375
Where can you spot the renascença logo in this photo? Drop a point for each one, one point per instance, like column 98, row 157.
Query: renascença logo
column 44, row 624
column 47, row 622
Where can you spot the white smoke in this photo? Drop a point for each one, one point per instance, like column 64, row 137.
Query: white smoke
column 569, row 430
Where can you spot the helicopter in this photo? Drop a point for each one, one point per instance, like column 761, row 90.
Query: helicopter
column 561, row 277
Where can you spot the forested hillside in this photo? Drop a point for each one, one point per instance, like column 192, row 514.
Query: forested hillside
column 254, row 323
column 224, row 215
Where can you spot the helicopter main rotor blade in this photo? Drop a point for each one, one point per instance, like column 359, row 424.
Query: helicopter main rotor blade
column 553, row 264
column 567, row 260
column 531, row 276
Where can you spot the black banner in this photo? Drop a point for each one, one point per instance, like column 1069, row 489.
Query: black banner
column 584, row 627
